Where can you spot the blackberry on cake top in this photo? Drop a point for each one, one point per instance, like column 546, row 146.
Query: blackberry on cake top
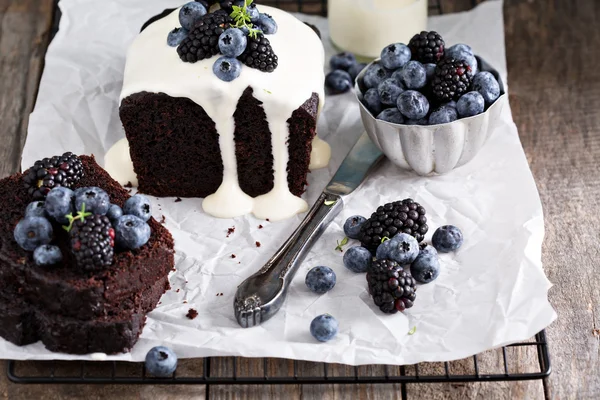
column 45, row 174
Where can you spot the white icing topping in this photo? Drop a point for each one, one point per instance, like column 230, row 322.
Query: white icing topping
column 117, row 162
column 153, row 66
column 98, row 356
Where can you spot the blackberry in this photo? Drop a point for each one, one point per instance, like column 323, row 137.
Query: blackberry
column 48, row 173
column 259, row 54
column 203, row 41
column 93, row 242
column 427, row 47
column 451, row 80
column 405, row 216
column 392, row 288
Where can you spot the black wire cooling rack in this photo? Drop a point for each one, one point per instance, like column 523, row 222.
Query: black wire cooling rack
column 527, row 360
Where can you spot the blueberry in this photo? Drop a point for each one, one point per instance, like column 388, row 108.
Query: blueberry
column 320, row 279
column 442, row 115
column 412, row 75
column 383, row 250
column 338, row 81
column 429, row 71
column 451, row 103
column 486, row 84
column 176, row 36
column 358, row 259
column 413, row 105
column 36, row 209
column 403, row 249
column 374, row 75
column 447, row 238
column 59, row 203
column 131, row 232
column 267, row 24
column 470, row 104
column 227, row 68
column 372, row 101
column 428, row 249
column 138, row 205
column 469, row 58
column 388, row 91
column 232, row 42
column 96, row 200
column 392, row 115
column 420, row 121
column 425, row 268
column 190, row 14
column 356, row 69
column 352, row 226
column 324, row 327
column 342, row 61
column 47, row 255
column 253, row 12
column 395, row 56
column 459, row 48
column 114, row 212
column 161, row 362
column 32, row 232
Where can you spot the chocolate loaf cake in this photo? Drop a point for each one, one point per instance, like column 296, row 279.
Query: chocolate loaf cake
column 68, row 309
column 244, row 142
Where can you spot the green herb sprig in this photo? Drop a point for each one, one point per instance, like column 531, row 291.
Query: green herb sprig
column 80, row 215
column 340, row 245
column 241, row 19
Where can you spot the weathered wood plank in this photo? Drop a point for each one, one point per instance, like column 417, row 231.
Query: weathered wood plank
column 555, row 94
column 24, row 29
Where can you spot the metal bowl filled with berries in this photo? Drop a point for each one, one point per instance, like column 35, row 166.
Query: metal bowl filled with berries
column 429, row 109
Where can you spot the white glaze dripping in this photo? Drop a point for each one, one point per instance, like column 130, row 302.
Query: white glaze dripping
column 153, row 66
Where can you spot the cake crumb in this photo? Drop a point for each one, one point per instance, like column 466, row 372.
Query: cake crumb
column 160, row 302
column 128, row 184
column 268, row 220
column 178, row 199
column 163, row 220
column 191, row 314
column 177, row 291
column 257, row 244
column 230, row 231
column 260, row 227
column 233, row 256
column 239, row 262
column 185, row 302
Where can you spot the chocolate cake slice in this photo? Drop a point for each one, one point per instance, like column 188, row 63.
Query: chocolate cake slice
column 243, row 140
column 71, row 310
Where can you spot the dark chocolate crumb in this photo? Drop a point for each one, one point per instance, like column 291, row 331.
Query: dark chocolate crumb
column 260, row 227
column 128, row 184
column 177, row 200
column 257, row 244
column 185, row 302
column 230, row 231
column 163, row 220
column 177, row 291
column 268, row 220
column 233, row 256
column 192, row 313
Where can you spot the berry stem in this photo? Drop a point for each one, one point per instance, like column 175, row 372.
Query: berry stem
column 80, row 216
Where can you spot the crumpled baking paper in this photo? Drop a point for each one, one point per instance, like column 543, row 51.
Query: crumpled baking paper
column 491, row 292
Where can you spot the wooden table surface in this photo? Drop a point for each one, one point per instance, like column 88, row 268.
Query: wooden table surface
column 553, row 52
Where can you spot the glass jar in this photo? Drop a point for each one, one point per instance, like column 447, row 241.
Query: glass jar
column 365, row 27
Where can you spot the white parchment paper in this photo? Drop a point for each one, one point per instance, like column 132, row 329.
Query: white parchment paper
column 493, row 291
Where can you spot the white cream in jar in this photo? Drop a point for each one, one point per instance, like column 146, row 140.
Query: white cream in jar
column 365, row 27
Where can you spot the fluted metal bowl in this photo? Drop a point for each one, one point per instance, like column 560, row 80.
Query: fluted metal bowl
column 433, row 149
